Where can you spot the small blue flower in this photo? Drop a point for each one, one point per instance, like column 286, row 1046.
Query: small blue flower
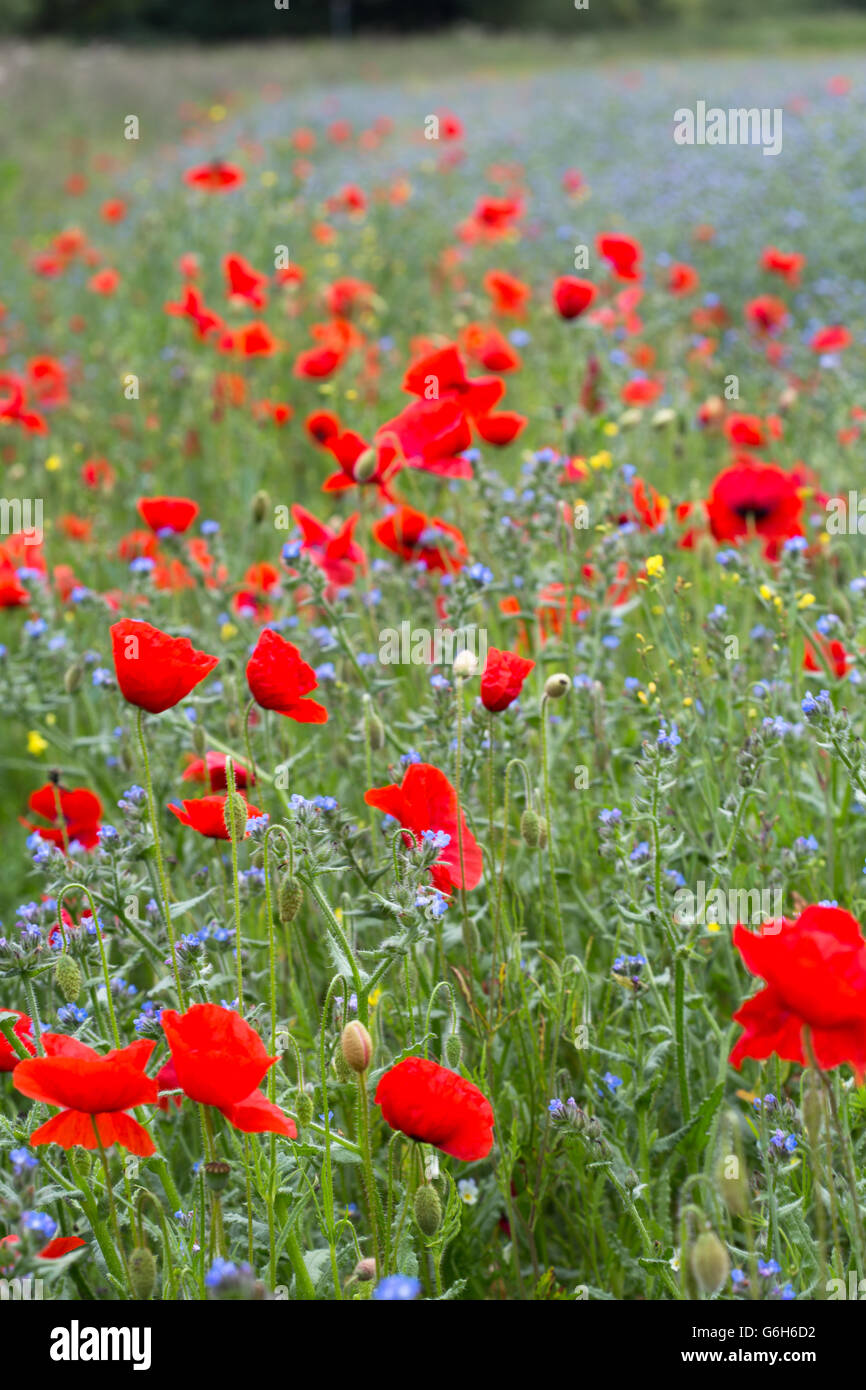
column 397, row 1288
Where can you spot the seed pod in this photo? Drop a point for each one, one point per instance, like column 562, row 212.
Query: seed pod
column 290, row 899
column 235, row 815
column 67, row 977
column 142, row 1272
column 530, row 827
column 428, row 1210
column 217, row 1174
column 709, row 1261
column 357, row 1046
column 557, row 685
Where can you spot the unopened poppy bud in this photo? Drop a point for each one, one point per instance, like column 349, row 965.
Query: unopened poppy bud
column 630, row 418
column 142, row 1272
column 709, row 1261
column 235, row 815
column 465, row 664
column 428, row 1210
column 357, row 1046
column 67, row 977
column 304, row 1109
column 73, row 677
column 812, row 1105
column 557, row 685
column 80, row 1161
column 216, row 1174
column 260, row 507
column 365, row 466
column 530, row 827
column 453, row 1050
column 377, row 733
column 365, row 1269
column 788, row 397
column 290, row 900
column 733, row 1185
column 542, row 833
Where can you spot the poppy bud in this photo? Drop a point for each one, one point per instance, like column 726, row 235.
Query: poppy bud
column 257, row 858
column 80, row 1162
column 260, row 507
column 290, row 899
column 812, row 1105
column 542, row 833
column 428, row 1210
column 235, row 815
column 663, row 418
column 217, row 1174
column 453, row 1050
column 377, row 733
column 557, row 685
column 365, row 1269
column 142, row 1272
column 67, row 977
column 357, row 1046
column 365, row 466
column 465, row 664
column 630, row 418
column 304, row 1109
column 73, row 677
column 530, row 828
column 709, row 1261
column 734, row 1190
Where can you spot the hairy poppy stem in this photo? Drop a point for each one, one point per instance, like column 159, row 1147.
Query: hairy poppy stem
column 560, row 940
column 157, row 845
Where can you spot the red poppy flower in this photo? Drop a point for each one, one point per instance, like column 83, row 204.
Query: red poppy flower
column 682, row 279
column 279, row 678
column 80, row 812
column 244, row 282
column 60, row 1246
column 430, row 435
column 831, row 339
column 425, row 801
column 571, row 295
column 335, row 552
column 216, row 177
column 220, row 1060
column 154, row 670
column 104, row 281
column 91, row 1090
column 757, row 497
column 253, row 340
column 835, row 657
column 815, row 969
column 445, row 371
column 622, row 253
column 766, row 314
column 22, row 1029
column 167, row 513
column 746, row 431
column 422, row 539
column 192, row 305
column 788, row 264
column 433, row 1105
column 502, row 427
column 509, row 294
column 207, row 815
column 321, row 426
column 212, row 770
column 502, row 679
column 489, row 347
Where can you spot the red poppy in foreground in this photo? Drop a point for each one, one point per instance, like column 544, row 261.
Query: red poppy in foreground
column 755, row 498
column 815, row 969
column 220, row 1060
column 80, row 812
column 502, row 680
column 433, row 1105
column 279, row 678
column 427, row 801
column 167, row 513
column 207, row 815
column 22, row 1029
column 154, row 670
column 93, row 1092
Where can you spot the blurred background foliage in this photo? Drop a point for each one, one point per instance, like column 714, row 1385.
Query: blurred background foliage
column 238, row 19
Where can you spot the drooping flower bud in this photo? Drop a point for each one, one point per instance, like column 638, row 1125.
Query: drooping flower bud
column 304, row 1109
column 530, row 828
column 453, row 1050
column 365, row 466
column 357, row 1046
column 142, row 1272
column 235, row 815
column 709, row 1261
column 67, row 977
column 261, row 505
column 428, row 1210
column 73, row 677
column 290, row 899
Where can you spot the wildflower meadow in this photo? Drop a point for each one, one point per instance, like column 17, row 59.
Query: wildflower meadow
column 432, row 617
